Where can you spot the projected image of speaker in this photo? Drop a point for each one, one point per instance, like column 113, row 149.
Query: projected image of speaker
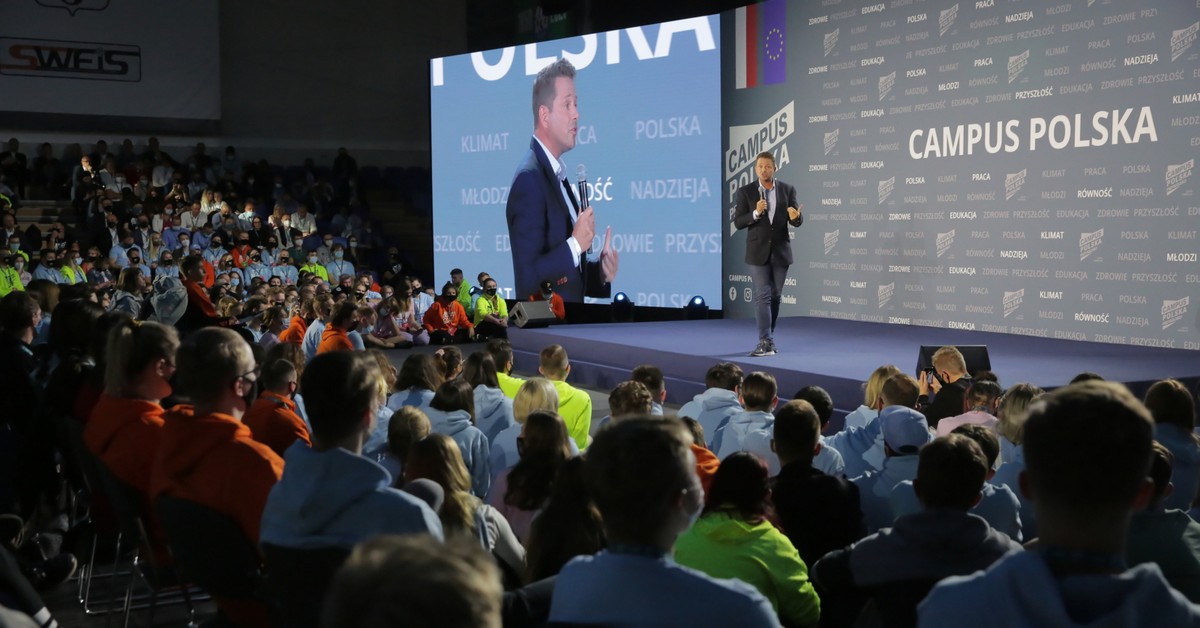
column 530, row 314
column 976, row 357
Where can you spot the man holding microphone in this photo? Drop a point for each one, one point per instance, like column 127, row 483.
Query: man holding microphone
column 766, row 208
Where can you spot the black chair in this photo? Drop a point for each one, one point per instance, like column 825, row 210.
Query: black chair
column 126, row 503
column 297, row 581
column 210, row 549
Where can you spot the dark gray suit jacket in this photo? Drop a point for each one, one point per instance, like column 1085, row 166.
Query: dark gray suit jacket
column 764, row 236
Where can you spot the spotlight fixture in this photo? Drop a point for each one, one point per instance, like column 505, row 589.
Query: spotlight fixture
column 622, row 308
column 695, row 310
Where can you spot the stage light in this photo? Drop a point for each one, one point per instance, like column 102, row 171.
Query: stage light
column 695, row 310
column 622, row 308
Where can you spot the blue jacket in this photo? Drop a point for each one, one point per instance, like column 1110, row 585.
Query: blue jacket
column 999, row 507
column 875, row 489
column 711, row 409
column 337, row 498
column 493, row 411
column 1185, row 467
column 419, row 397
column 474, row 446
column 854, row 443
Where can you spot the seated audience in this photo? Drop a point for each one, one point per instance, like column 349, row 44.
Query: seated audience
column 330, row 495
column 409, row 581
column 981, row 402
column 272, row 418
column 446, row 320
column 574, row 405
column 860, row 445
column 719, row 401
column 493, row 410
column 491, row 312
column 568, row 525
column 818, row 512
column 1174, row 411
column 125, row 430
column 546, row 293
column 502, row 355
column 948, row 385
column 641, row 475
column 419, row 377
column 323, row 310
column 750, row 430
column 628, row 399
column 896, row 567
column 651, row 377
column 211, row 457
column 452, row 412
column 436, row 457
column 828, row 460
column 734, row 538
column 449, row 361
column 1087, row 455
column 520, row 492
column 1013, row 411
column 408, row 425
column 905, row 432
column 1166, row 537
column 342, row 321
column 997, row 504
column 536, row 393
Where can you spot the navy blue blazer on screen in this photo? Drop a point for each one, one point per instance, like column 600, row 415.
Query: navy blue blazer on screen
column 539, row 223
column 765, row 236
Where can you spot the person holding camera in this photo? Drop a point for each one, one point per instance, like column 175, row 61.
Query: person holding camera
column 948, row 380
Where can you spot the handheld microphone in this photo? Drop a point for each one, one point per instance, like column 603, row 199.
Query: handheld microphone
column 582, row 184
column 584, row 200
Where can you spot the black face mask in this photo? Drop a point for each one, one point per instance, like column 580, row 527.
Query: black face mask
column 491, row 292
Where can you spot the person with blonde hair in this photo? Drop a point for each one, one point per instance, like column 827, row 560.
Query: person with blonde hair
column 869, row 409
column 125, row 429
column 408, row 581
column 438, row 458
column 948, row 383
column 536, row 393
column 409, row 424
column 128, row 296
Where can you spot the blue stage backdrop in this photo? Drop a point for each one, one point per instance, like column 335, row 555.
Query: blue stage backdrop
column 1014, row 166
column 649, row 137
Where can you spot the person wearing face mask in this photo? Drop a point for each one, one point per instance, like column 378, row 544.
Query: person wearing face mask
column 546, row 293
column 135, row 261
column 125, row 428
column 283, row 269
column 10, row 279
column 14, row 247
column 119, row 255
column 241, row 251
column 22, row 269
column 325, row 251
column 421, row 300
column 72, row 267
column 172, row 232
column 215, row 250
column 315, row 267
column 48, row 268
column 270, row 250
column 246, row 217
column 203, row 236
column 211, row 457
column 141, row 232
column 491, row 312
column 272, row 419
column 166, row 266
column 446, row 320
column 256, row 268
column 338, row 265
column 185, row 244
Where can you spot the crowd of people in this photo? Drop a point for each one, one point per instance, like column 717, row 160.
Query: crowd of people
column 241, row 365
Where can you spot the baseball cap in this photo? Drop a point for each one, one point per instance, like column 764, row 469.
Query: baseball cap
column 547, row 287
column 904, row 430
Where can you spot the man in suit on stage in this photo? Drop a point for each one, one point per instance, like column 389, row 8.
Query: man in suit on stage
column 766, row 208
column 549, row 228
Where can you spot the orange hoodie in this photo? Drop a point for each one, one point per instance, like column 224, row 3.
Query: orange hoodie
column 334, row 339
column 295, row 331
column 449, row 318
column 274, row 422
column 125, row 435
column 706, row 465
column 214, row 460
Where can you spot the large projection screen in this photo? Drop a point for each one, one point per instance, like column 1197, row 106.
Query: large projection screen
column 648, row 136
